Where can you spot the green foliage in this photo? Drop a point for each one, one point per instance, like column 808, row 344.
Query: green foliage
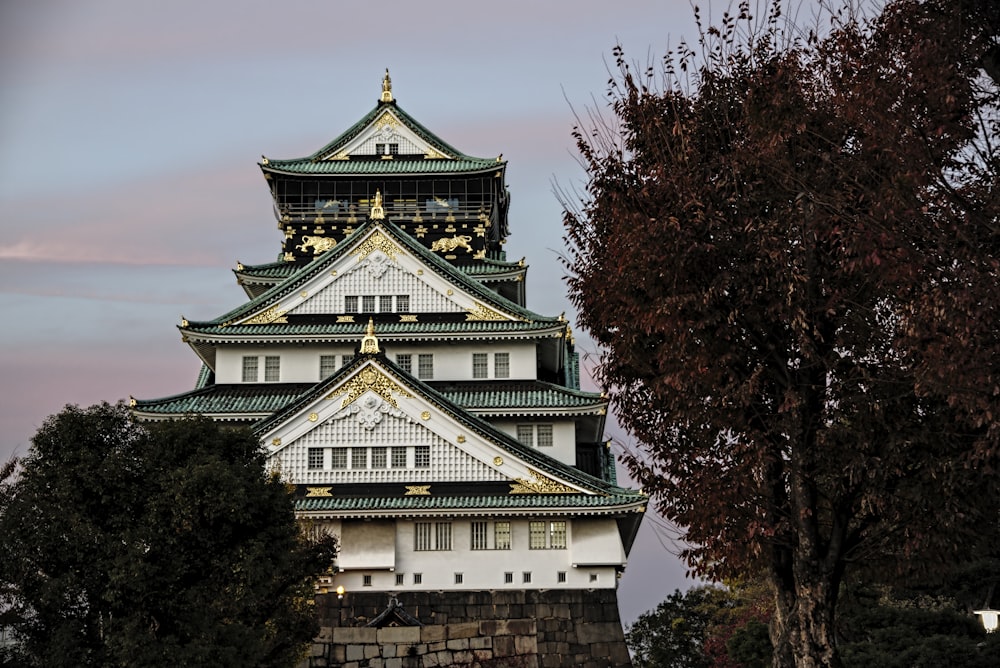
column 163, row 544
column 718, row 627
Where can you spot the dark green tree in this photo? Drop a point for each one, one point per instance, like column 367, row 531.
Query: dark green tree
column 789, row 253
column 161, row 544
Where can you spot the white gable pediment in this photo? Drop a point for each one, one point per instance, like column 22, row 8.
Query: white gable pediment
column 370, row 413
column 387, row 129
column 377, row 265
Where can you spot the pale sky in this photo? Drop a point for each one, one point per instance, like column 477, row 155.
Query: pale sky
column 130, row 132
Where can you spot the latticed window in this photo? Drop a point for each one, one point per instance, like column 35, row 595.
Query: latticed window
column 501, row 365
column 351, row 304
column 425, row 366
column 315, row 458
column 359, row 458
column 459, row 578
column 508, row 578
column 501, row 535
column 272, row 369
column 400, row 579
column 249, row 369
column 536, row 535
column 526, row 577
column 557, row 535
column 347, row 360
column 405, row 362
column 338, row 460
column 378, row 458
column 399, row 458
column 366, row 580
column 479, row 534
column 561, row 576
column 422, row 533
column 385, row 303
column 418, row 578
column 422, row 456
column 402, row 303
column 544, row 432
column 526, row 434
column 368, row 304
column 327, row 365
column 442, row 531
column 480, row 365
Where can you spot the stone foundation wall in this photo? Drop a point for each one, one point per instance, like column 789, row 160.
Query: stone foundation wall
column 490, row 629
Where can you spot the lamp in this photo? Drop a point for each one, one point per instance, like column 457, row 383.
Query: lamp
column 340, row 594
column 990, row 619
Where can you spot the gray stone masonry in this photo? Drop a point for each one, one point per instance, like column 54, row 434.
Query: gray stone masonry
column 474, row 629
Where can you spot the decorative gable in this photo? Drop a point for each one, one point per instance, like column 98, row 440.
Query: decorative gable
column 374, row 265
column 371, row 427
column 387, row 135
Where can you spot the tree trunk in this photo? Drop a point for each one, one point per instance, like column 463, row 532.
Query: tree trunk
column 802, row 629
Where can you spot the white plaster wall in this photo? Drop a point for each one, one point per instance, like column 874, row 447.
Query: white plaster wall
column 563, row 445
column 300, row 364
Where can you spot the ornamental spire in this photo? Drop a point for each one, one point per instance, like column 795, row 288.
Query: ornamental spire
column 386, row 87
column 377, row 212
column 369, row 344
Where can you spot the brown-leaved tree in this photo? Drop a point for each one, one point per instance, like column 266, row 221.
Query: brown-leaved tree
column 789, row 253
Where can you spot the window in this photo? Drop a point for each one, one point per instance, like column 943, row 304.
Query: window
column 508, row 578
column 459, row 578
column 249, row 369
column 272, row 369
column 501, row 535
column 536, row 535
column 544, row 432
column 526, row 577
column 432, row 536
column 400, row 579
column 593, row 577
column 366, row 580
column 422, row 457
column 443, row 535
column 350, row 304
column 561, row 576
column 315, row 458
column 347, row 360
column 385, row 304
column 405, row 362
column 359, row 458
column 378, row 458
column 422, row 536
column 339, row 458
column 531, row 435
column 547, row 535
column 526, row 434
column 557, row 535
column 480, row 365
column 418, row 578
column 399, row 458
column 501, row 365
column 479, row 533
column 368, row 304
column 394, row 148
column 402, row 303
column 425, row 366
column 380, row 149
column 387, row 149
column 327, row 365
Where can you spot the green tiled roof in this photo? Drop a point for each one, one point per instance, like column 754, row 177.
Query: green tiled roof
column 385, row 330
column 319, row 162
column 490, row 267
column 320, row 264
column 623, row 497
column 380, row 167
column 280, row 269
column 504, row 395
column 270, row 397
column 223, row 399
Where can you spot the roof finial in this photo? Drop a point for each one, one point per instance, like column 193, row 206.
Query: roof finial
column 386, row 87
column 377, row 212
column 369, row 344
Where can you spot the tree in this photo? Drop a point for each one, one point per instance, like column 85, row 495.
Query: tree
column 789, row 253
column 704, row 627
column 162, row 544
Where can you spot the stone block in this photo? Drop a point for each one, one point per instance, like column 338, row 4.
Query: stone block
column 521, row 627
column 462, row 657
column 437, row 646
column 526, row 644
column 589, row 634
column 398, row 634
column 458, row 643
column 433, row 633
column 463, row 630
column 356, row 635
column 355, row 652
column 371, row 651
column 482, row 642
column 394, row 663
column 543, row 611
column 504, row 646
